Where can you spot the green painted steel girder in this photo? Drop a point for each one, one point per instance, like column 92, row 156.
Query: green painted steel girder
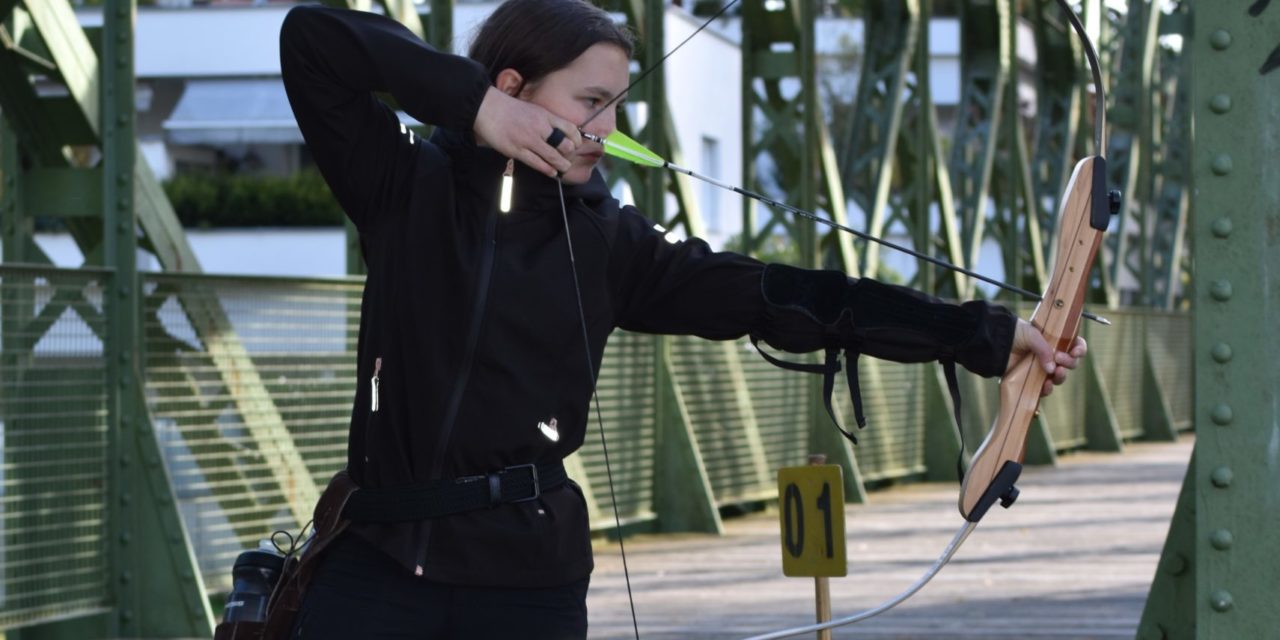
column 1132, row 48
column 1227, row 546
column 869, row 149
column 1168, row 275
column 1058, row 110
column 1015, row 223
column 984, row 70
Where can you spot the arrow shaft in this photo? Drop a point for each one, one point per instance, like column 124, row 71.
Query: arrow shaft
column 865, row 236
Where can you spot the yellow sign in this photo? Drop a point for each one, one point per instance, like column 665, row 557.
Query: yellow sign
column 811, row 513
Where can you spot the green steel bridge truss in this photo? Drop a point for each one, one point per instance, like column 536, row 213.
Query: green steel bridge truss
column 156, row 424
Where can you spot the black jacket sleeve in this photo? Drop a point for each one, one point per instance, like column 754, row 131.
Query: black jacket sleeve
column 332, row 62
column 809, row 310
column 684, row 287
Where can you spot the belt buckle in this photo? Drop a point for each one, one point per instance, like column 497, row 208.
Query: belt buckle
column 533, row 473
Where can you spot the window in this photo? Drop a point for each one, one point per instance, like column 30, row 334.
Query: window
column 709, row 198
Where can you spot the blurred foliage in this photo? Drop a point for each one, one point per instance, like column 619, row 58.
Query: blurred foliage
column 209, row 199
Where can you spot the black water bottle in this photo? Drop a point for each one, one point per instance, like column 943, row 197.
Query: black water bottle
column 254, row 576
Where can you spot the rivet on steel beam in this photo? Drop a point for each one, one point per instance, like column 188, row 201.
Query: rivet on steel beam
column 186, row 574
column 176, row 538
column 122, row 60
column 126, row 577
column 1220, row 290
column 1221, row 352
column 1221, row 477
column 1221, row 227
column 1220, row 39
column 1176, row 564
column 124, row 358
column 1221, row 601
column 125, row 538
column 122, row 179
column 124, row 461
column 122, row 37
column 1220, row 103
column 124, row 291
column 123, row 120
column 1221, row 539
column 126, row 615
column 1221, row 414
column 1221, row 164
column 123, row 226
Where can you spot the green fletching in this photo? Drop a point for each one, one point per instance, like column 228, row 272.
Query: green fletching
column 620, row 145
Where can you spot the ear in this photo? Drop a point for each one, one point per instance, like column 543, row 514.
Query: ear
column 509, row 81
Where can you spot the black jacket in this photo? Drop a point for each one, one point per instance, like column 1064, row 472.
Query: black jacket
column 462, row 385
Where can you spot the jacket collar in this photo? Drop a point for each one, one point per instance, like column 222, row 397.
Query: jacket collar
column 479, row 170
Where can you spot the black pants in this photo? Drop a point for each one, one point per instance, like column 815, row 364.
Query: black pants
column 358, row 592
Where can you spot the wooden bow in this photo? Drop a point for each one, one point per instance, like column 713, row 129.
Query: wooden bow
column 1084, row 216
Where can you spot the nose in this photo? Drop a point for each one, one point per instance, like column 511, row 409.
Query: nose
column 604, row 124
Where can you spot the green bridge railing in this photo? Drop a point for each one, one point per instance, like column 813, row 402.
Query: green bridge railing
column 692, row 426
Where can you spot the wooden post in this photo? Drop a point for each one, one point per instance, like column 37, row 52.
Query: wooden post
column 822, row 584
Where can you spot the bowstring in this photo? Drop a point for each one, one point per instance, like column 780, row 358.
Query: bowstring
column 657, row 64
column 582, row 317
column 604, row 446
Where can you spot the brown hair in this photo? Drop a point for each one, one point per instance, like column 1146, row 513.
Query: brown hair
column 537, row 37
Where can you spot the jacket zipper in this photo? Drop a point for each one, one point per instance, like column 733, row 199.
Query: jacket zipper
column 377, row 368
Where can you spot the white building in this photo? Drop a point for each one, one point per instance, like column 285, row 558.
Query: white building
column 209, row 94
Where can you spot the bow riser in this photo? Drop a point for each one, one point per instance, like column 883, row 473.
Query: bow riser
column 1058, row 319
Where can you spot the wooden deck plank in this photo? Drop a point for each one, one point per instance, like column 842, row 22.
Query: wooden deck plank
column 1072, row 560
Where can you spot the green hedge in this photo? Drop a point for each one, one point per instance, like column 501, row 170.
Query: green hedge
column 205, row 199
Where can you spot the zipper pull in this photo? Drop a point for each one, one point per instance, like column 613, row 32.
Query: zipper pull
column 508, row 179
column 377, row 368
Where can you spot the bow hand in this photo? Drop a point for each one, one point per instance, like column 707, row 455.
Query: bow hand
column 1029, row 342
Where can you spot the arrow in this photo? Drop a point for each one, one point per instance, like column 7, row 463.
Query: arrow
column 622, row 146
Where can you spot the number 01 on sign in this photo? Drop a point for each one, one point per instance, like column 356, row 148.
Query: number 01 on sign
column 811, row 515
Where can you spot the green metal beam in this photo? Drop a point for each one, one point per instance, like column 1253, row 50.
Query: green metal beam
column 157, row 592
column 1058, row 109
column 1169, row 273
column 984, row 68
column 870, row 147
column 1129, row 125
column 1235, row 90
column 1016, row 220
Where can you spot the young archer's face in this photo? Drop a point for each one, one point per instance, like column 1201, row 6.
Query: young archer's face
column 576, row 92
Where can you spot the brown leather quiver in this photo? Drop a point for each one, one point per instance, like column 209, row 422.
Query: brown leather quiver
column 286, row 598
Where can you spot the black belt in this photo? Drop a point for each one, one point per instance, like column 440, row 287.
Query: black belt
column 519, row 483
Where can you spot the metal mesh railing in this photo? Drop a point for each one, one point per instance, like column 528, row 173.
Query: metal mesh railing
column 53, row 434
column 1118, row 350
column 626, row 395
column 246, row 376
column 243, row 376
column 1169, row 345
